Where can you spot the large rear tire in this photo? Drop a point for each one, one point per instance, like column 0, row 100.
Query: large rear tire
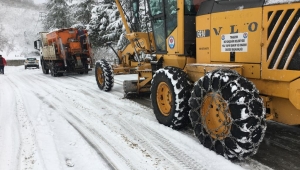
column 104, row 75
column 170, row 91
column 227, row 114
column 44, row 68
column 53, row 70
column 86, row 69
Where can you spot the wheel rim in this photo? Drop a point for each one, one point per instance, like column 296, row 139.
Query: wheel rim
column 215, row 116
column 164, row 98
column 100, row 76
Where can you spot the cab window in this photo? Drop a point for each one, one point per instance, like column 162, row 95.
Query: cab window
column 171, row 16
column 191, row 6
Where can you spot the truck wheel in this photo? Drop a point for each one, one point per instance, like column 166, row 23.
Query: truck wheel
column 86, row 69
column 104, row 75
column 53, row 74
column 53, row 71
column 45, row 70
column 227, row 114
column 170, row 91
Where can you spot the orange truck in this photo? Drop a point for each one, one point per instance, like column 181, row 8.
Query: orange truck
column 64, row 50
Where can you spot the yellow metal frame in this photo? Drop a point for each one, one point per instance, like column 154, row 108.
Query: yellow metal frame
column 274, row 73
column 136, row 39
column 280, row 88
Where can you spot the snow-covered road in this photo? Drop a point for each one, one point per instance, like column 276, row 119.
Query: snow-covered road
column 66, row 122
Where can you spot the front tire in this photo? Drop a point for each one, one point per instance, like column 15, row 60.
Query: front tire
column 170, row 91
column 227, row 114
column 104, row 75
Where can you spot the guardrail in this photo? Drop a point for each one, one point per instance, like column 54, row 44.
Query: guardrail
column 15, row 62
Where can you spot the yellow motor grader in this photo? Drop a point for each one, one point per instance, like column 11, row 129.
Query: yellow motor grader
column 225, row 66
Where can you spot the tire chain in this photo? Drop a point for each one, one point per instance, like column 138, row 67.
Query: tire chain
column 232, row 146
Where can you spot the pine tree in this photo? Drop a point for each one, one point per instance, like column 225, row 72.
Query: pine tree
column 82, row 11
column 106, row 24
column 58, row 15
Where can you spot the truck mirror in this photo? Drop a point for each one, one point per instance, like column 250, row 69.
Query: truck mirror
column 35, row 45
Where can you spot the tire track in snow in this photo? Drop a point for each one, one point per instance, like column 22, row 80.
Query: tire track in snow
column 94, row 114
column 101, row 99
column 169, row 151
column 8, row 155
column 85, row 131
column 94, row 145
column 83, row 126
column 28, row 84
column 150, row 147
column 186, row 164
column 29, row 149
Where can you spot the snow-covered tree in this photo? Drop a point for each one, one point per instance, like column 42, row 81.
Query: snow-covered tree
column 82, row 11
column 58, row 15
column 105, row 24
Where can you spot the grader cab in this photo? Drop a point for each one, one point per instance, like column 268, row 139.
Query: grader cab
column 223, row 66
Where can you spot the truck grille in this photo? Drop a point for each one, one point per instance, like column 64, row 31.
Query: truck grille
column 283, row 32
